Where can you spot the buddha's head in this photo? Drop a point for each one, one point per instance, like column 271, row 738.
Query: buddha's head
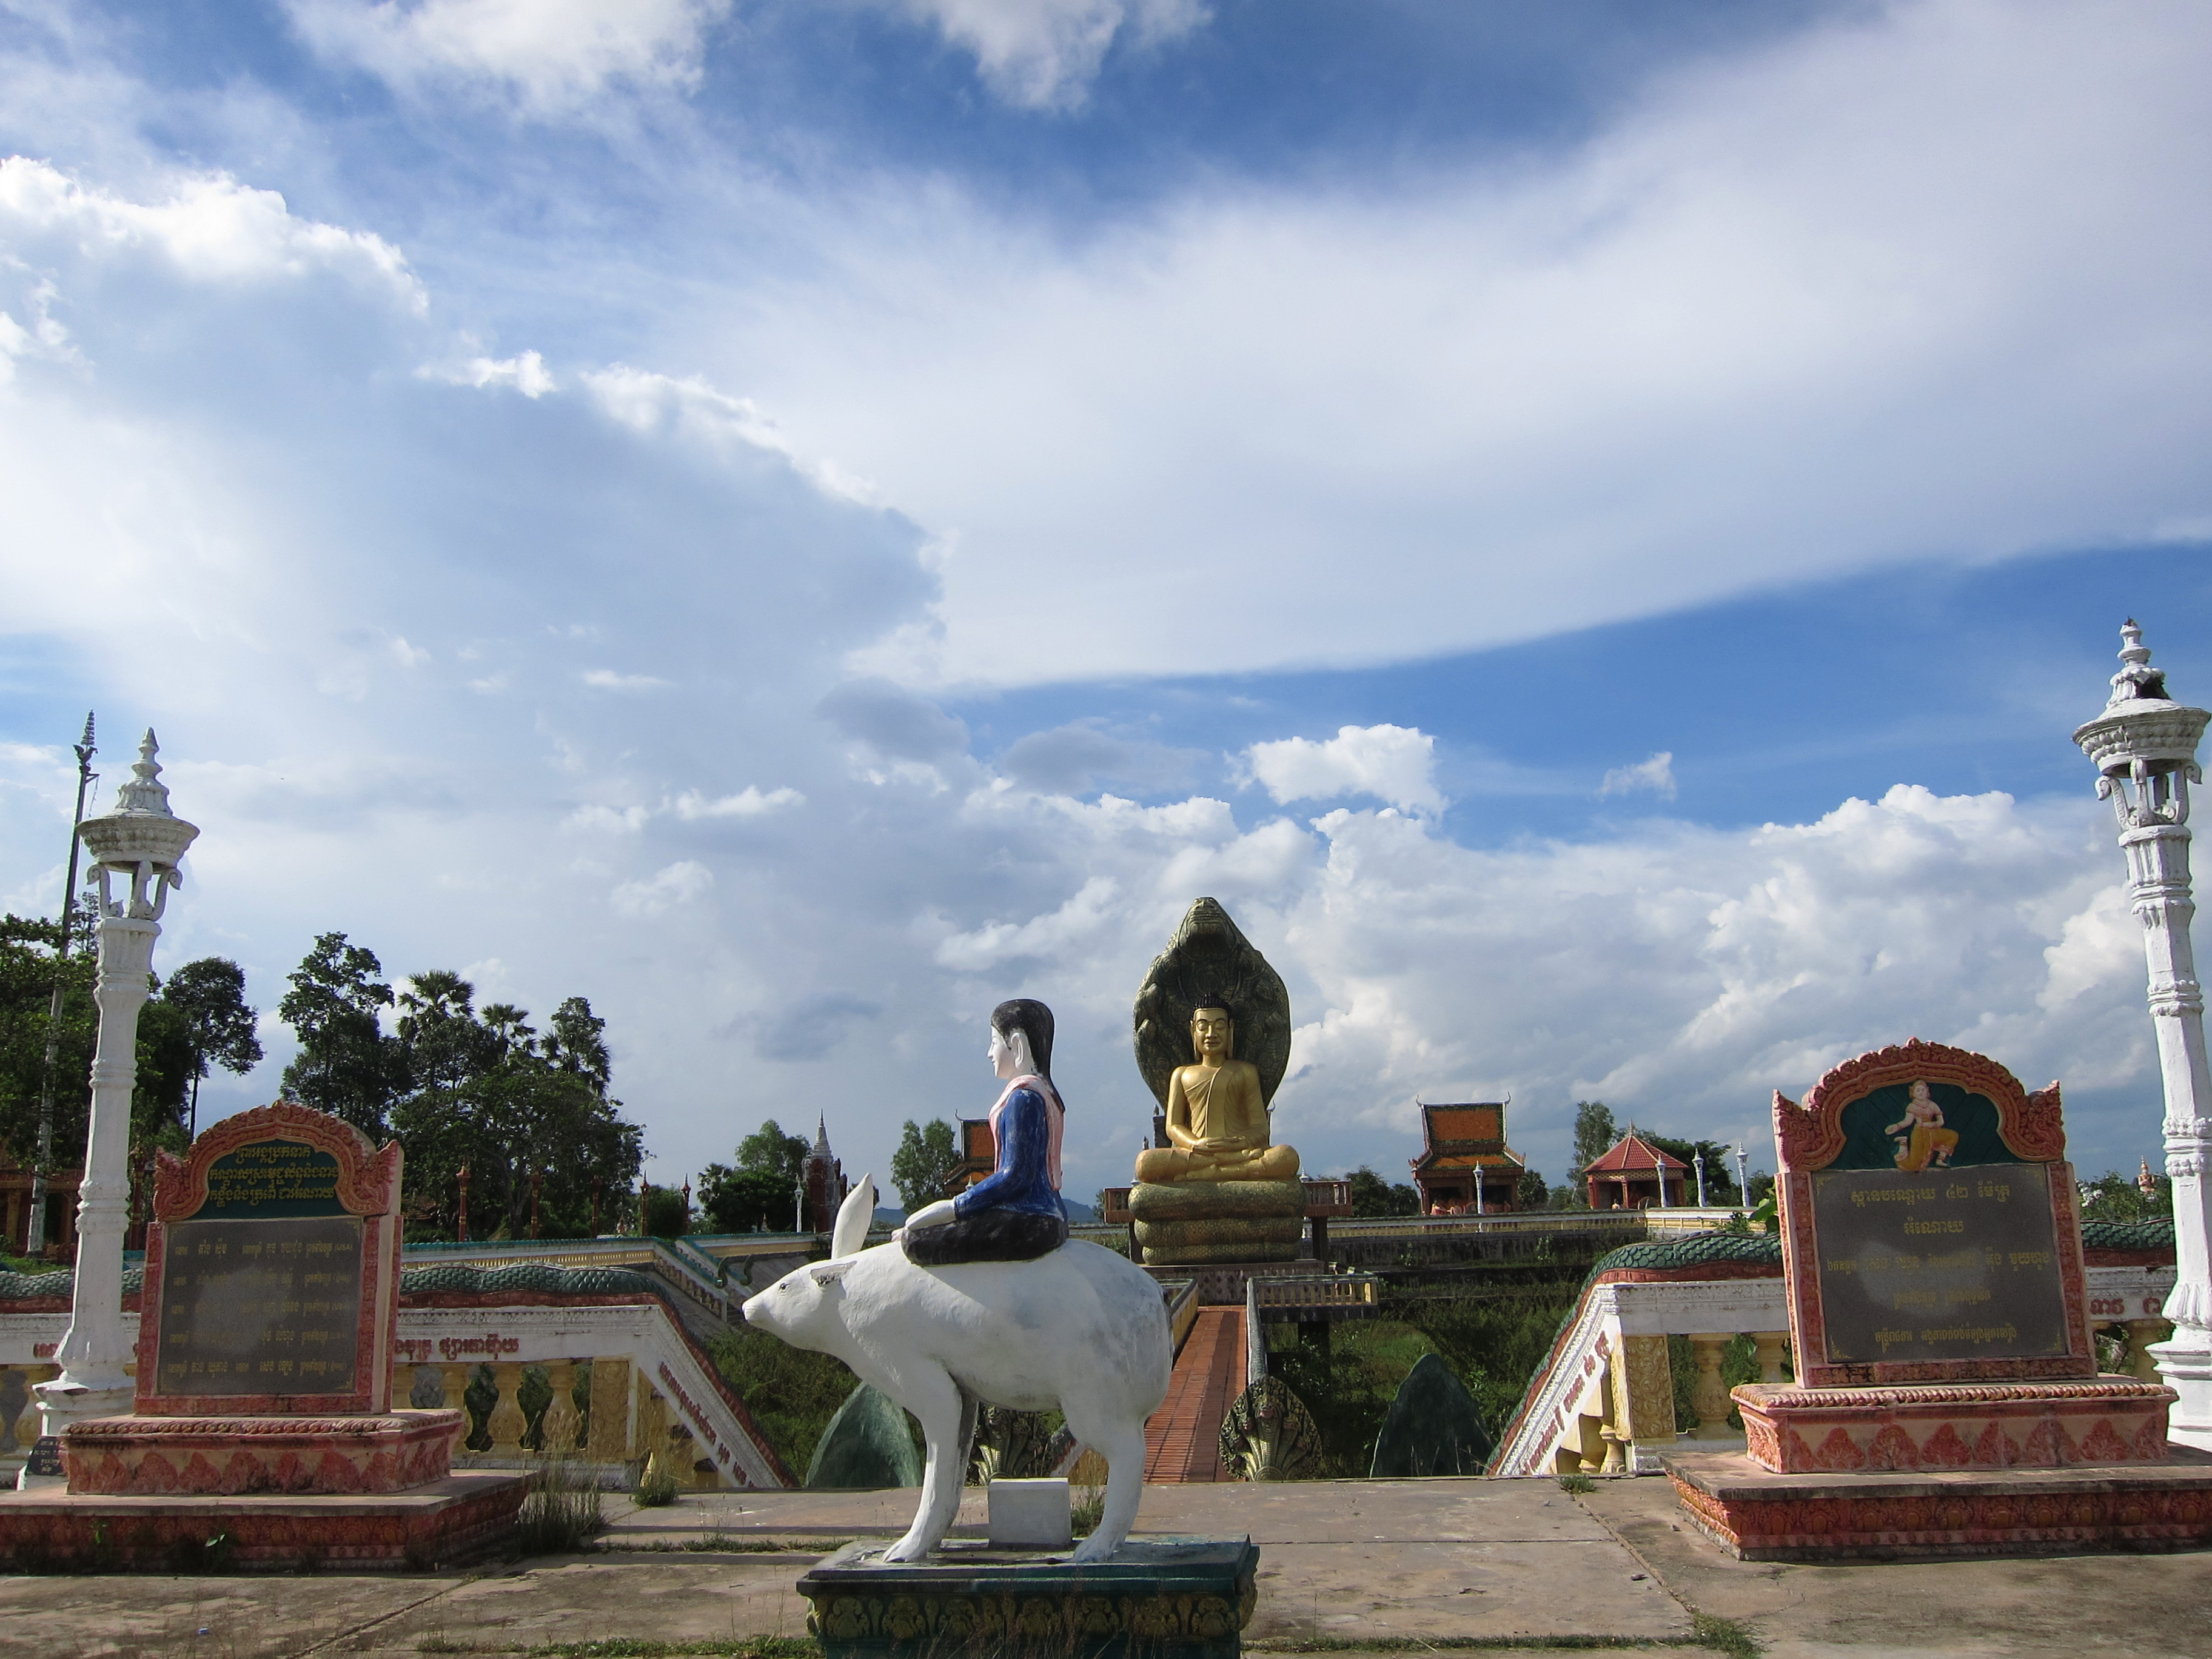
column 1919, row 1093
column 1212, row 1033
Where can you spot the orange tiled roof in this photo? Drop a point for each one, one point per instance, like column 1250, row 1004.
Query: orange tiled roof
column 1633, row 1154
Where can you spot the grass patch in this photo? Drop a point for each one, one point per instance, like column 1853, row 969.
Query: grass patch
column 1577, row 1483
column 631, row 1647
column 723, row 1543
column 656, row 1488
column 560, row 1511
column 1725, row 1636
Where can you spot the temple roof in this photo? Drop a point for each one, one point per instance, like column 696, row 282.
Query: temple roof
column 1461, row 1136
column 1633, row 1154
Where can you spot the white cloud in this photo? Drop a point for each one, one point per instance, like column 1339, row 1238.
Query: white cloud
column 748, row 802
column 624, row 820
column 678, row 883
column 1044, row 54
column 1926, row 280
column 211, row 229
column 550, row 55
column 1656, row 775
column 1394, row 764
column 1047, row 935
column 525, row 372
column 606, row 679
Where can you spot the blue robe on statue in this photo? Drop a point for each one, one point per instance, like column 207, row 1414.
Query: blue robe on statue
column 1014, row 1213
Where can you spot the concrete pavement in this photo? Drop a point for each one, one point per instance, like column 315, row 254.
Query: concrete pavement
column 1398, row 1564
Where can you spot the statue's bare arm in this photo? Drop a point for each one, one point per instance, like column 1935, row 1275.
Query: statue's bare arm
column 1178, row 1114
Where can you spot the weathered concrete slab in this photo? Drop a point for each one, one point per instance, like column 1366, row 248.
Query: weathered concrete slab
column 2072, row 1606
column 1350, row 1561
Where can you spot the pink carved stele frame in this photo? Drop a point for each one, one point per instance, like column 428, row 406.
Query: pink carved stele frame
column 367, row 1187
column 1809, row 1137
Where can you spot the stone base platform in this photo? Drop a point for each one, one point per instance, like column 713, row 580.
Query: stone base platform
column 388, row 1452
column 1759, row 1515
column 1954, row 1426
column 1164, row 1598
column 453, row 1520
column 1219, row 1221
column 1221, row 1284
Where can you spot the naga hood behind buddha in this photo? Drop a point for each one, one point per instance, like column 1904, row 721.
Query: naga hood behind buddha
column 1209, row 964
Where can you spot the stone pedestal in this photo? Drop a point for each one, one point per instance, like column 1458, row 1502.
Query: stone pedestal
column 457, row 1519
column 1164, row 1598
column 389, row 1453
column 1968, row 1425
column 1200, row 1222
column 1759, row 1515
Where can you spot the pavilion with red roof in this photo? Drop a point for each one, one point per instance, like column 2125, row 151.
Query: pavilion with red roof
column 1634, row 1173
column 1457, row 1141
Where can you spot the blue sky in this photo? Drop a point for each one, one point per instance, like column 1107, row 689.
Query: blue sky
column 1587, row 526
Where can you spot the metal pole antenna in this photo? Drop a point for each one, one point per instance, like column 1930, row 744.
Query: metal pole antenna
column 34, row 1235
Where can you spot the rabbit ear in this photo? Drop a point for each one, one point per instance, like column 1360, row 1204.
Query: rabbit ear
column 854, row 1216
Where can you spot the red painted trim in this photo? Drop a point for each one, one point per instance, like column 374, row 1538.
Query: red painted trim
column 1809, row 1137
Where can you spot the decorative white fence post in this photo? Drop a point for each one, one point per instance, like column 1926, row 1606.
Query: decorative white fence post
column 140, row 841
column 2144, row 746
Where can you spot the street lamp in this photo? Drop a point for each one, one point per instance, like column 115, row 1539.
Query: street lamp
column 1742, row 1178
column 2144, row 746
column 1698, row 1158
column 142, row 841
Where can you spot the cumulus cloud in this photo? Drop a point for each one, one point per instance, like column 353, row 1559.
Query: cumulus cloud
column 1044, row 54
column 549, row 54
column 525, row 372
column 211, row 229
column 1656, row 775
column 678, row 883
column 606, row 679
column 1394, row 764
column 751, row 802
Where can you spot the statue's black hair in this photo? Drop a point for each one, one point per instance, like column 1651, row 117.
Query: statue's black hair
column 1032, row 1017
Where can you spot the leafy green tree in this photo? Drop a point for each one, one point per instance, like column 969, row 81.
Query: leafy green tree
column 768, row 1148
column 1531, row 1192
column 346, row 1065
column 27, row 949
column 924, row 1162
column 1595, row 1132
column 744, row 1200
column 210, row 994
column 534, row 1129
column 2115, row 1197
column 1372, row 1196
column 1720, row 1168
column 666, row 1215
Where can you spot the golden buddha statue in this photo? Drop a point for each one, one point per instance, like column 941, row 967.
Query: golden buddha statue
column 1217, row 1123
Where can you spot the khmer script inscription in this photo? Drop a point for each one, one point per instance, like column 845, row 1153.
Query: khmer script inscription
column 1943, row 1264
column 261, row 1307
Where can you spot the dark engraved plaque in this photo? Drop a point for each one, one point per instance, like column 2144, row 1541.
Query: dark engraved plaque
column 46, row 1459
column 266, row 1179
column 1954, row 1264
column 262, row 1307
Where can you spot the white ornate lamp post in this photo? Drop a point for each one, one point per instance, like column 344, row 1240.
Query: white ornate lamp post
column 1699, row 1157
column 2144, row 746
column 140, row 841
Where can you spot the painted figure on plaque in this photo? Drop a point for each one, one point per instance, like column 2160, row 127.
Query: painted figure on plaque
column 1014, row 1213
column 1218, row 1125
column 1928, row 1141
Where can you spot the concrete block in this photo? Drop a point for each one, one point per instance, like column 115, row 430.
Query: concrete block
column 1030, row 1515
